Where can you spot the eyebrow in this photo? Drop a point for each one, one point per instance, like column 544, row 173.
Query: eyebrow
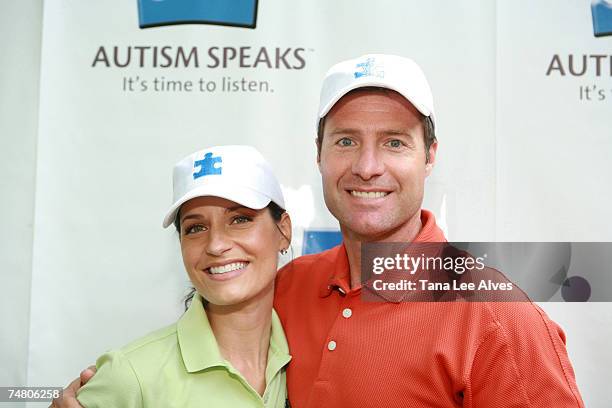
column 236, row 207
column 386, row 132
column 229, row 209
column 190, row 216
column 343, row 131
column 397, row 132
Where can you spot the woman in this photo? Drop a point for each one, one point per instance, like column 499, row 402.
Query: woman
column 228, row 349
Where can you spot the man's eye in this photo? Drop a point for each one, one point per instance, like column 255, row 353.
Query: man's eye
column 192, row 229
column 345, row 141
column 241, row 219
column 395, row 143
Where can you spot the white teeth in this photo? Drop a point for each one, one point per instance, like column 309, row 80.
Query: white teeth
column 368, row 194
column 227, row 268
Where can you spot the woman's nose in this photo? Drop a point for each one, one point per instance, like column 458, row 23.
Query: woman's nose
column 218, row 243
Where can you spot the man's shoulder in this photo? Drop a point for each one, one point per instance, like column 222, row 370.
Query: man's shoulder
column 522, row 316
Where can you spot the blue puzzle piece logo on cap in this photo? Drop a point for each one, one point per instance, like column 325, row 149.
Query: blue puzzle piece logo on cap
column 602, row 17
column 207, row 166
column 236, row 13
column 369, row 68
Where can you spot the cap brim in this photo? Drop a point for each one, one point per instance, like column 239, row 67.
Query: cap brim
column 365, row 84
column 238, row 194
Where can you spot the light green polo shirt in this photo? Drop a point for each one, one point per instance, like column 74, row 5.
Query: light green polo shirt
column 181, row 366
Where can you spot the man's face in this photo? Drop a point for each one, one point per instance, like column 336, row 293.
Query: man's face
column 373, row 164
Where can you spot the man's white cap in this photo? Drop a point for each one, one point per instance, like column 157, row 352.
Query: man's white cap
column 400, row 74
column 236, row 173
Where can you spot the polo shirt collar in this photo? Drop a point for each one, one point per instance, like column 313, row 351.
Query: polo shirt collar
column 339, row 272
column 196, row 339
column 200, row 350
column 339, row 276
column 278, row 352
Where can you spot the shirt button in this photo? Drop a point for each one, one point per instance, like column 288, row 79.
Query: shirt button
column 347, row 313
column 331, row 346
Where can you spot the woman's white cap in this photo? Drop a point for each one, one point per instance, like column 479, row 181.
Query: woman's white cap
column 399, row 74
column 236, row 173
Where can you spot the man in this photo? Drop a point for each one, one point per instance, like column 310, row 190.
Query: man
column 375, row 147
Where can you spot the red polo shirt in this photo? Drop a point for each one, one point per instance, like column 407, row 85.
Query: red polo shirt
column 350, row 353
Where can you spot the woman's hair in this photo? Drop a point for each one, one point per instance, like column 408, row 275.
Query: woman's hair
column 275, row 211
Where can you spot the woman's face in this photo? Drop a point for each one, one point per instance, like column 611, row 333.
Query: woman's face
column 230, row 251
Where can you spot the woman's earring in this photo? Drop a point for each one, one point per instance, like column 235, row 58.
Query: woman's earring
column 283, row 251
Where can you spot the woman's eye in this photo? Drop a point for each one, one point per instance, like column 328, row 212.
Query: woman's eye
column 192, row 229
column 345, row 141
column 241, row 219
column 395, row 143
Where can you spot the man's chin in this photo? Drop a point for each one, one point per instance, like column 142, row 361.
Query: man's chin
column 366, row 231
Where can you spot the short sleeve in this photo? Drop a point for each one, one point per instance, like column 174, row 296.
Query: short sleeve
column 115, row 384
column 523, row 363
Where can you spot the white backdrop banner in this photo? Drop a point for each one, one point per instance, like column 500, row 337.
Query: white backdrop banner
column 523, row 97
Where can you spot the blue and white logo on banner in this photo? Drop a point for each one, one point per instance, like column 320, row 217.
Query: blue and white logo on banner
column 208, row 166
column 602, row 17
column 237, row 13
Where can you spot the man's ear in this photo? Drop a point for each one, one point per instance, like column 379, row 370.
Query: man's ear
column 433, row 149
column 318, row 147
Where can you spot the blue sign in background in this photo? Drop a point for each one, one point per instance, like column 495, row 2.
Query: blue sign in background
column 239, row 13
column 602, row 18
column 316, row 241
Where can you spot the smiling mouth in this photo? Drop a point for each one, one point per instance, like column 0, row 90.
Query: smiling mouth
column 369, row 194
column 234, row 266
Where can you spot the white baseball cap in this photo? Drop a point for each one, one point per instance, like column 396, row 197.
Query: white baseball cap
column 236, row 173
column 399, row 74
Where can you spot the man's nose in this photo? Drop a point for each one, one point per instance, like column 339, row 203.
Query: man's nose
column 368, row 163
column 218, row 242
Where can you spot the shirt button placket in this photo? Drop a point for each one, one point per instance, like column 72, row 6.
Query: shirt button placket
column 346, row 313
column 330, row 360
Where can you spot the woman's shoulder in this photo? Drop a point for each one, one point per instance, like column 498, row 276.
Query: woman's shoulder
column 121, row 373
column 151, row 352
column 152, row 342
column 115, row 384
column 145, row 353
